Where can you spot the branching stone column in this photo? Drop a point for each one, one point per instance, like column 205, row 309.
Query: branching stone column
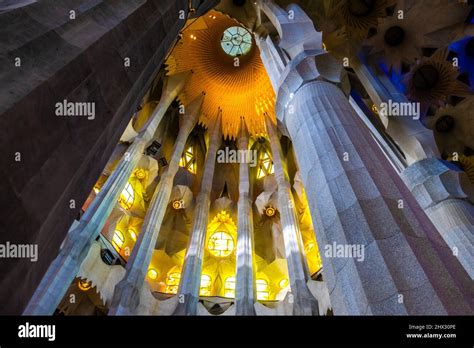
column 303, row 301
column 438, row 190
column 127, row 291
column 64, row 268
column 191, row 274
column 435, row 186
column 245, row 286
column 356, row 198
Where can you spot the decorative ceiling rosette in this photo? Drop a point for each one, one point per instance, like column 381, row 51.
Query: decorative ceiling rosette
column 227, row 67
column 432, row 80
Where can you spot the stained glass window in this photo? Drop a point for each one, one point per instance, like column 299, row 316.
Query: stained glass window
column 188, row 160
column 126, row 197
column 172, row 282
column 236, row 41
column 262, row 289
column 221, row 244
column 205, row 289
column 229, row 289
column 118, row 240
column 266, row 166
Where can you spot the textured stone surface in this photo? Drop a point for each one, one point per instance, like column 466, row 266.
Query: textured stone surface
column 304, row 302
column 403, row 250
column 191, row 273
column 436, row 187
column 245, row 288
column 354, row 194
column 79, row 60
column 125, row 301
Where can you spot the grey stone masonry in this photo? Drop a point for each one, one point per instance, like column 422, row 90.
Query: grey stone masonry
column 245, row 277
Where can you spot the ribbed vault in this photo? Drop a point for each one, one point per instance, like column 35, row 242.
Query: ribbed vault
column 238, row 91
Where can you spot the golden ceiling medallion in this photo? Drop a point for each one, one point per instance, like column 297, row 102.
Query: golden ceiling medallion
column 178, row 204
column 270, row 211
column 233, row 79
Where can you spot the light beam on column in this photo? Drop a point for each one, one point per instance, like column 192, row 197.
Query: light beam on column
column 191, row 275
column 245, row 286
column 126, row 295
column 303, row 301
column 64, row 268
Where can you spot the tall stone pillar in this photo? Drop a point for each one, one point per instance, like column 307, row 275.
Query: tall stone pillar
column 191, row 273
column 64, row 268
column 357, row 200
column 78, row 61
column 126, row 295
column 435, row 186
column 303, row 301
column 245, row 285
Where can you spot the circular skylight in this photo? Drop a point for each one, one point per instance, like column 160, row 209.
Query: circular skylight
column 236, row 41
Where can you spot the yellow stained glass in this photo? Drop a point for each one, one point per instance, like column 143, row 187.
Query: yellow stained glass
column 262, row 289
column 284, row 283
column 127, row 197
column 188, row 160
column 229, row 289
column 221, row 244
column 265, row 167
column 206, row 284
column 152, row 274
column 172, row 282
column 118, row 240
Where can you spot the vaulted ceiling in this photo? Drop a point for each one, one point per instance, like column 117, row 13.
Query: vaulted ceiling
column 235, row 87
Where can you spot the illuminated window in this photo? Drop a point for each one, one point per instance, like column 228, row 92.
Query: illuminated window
column 126, row 197
column 152, row 274
column 284, row 283
column 262, row 290
column 188, row 160
column 172, row 282
column 133, row 234
column 236, row 41
column 266, row 166
column 221, row 244
column 205, row 289
column 118, row 240
column 229, row 289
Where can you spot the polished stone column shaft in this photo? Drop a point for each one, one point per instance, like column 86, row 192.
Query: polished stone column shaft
column 245, row 283
column 303, row 301
column 64, row 268
column 357, row 199
column 126, row 296
column 191, row 275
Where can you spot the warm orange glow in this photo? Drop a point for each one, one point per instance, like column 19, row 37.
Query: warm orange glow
column 84, row 285
column 233, row 84
column 172, row 282
column 152, row 273
column 179, row 204
column 221, row 244
column 270, row 211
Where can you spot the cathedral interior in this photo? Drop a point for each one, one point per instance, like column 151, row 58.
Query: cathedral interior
column 233, row 157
